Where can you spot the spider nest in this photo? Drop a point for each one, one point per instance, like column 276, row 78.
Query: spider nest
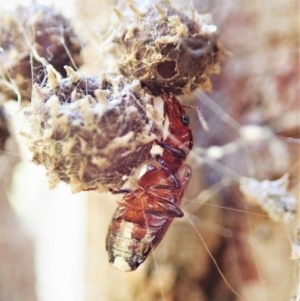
column 89, row 132
column 31, row 37
column 166, row 49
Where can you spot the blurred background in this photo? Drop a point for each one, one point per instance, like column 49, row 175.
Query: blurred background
column 53, row 242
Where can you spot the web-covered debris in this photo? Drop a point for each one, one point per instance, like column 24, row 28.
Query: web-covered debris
column 272, row 196
column 93, row 131
column 165, row 48
column 31, row 37
column 86, row 130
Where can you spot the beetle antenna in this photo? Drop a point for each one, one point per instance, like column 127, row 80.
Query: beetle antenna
column 200, row 116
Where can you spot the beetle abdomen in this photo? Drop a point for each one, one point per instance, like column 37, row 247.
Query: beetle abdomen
column 128, row 244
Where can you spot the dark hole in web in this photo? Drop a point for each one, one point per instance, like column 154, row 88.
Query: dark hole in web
column 166, row 69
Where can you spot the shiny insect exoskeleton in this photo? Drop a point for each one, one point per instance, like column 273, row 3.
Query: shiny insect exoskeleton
column 144, row 215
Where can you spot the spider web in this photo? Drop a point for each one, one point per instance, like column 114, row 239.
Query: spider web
column 225, row 248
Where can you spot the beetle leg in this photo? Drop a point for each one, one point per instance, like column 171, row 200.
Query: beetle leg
column 165, row 208
column 90, row 189
column 176, row 183
column 176, row 152
column 173, row 177
column 122, row 190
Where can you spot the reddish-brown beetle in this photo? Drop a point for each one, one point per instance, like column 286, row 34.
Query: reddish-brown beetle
column 144, row 215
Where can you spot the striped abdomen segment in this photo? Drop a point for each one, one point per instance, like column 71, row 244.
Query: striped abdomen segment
column 129, row 244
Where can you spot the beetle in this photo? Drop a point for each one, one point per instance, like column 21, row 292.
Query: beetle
column 144, row 215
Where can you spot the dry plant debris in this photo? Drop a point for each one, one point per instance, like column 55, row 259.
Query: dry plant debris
column 31, row 37
column 272, row 196
column 167, row 49
column 93, row 131
column 89, row 132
